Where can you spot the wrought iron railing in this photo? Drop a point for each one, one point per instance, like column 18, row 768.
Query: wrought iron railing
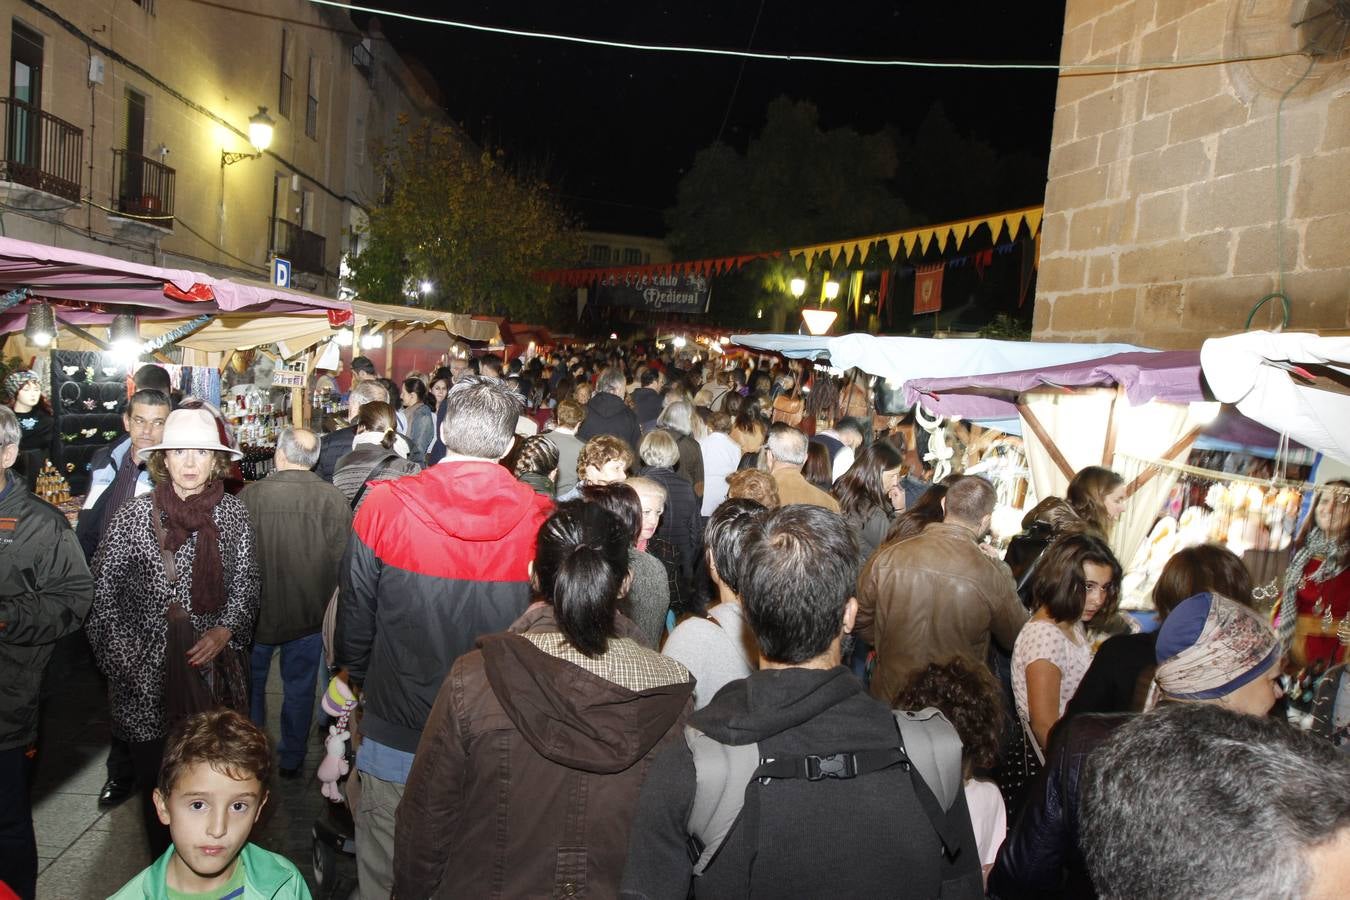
column 40, row 150
column 143, row 187
column 304, row 249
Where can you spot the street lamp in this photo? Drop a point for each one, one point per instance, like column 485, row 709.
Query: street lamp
column 818, row 321
column 41, row 328
column 831, row 290
column 798, row 287
column 259, row 135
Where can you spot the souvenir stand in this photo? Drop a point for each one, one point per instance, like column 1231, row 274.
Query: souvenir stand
column 86, row 321
column 1142, row 414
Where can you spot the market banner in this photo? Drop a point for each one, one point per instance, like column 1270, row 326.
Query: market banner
column 928, row 289
column 684, row 292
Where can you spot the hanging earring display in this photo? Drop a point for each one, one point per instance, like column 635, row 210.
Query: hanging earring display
column 1343, row 630
column 1328, row 620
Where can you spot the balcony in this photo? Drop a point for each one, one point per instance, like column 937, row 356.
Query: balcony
column 304, row 249
column 41, row 151
column 143, row 188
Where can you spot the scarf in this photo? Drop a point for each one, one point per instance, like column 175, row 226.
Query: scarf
column 1210, row 646
column 1322, row 546
column 186, row 517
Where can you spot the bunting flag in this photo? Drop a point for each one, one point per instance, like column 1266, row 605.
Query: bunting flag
column 928, row 289
column 884, row 289
column 900, row 245
column 983, row 260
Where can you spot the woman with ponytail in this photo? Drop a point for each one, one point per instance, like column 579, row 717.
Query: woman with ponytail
column 378, row 453
column 526, row 779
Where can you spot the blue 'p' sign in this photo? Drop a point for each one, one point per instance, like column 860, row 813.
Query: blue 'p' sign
column 281, row 272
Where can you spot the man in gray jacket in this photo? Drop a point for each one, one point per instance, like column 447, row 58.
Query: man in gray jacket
column 45, row 592
column 302, row 525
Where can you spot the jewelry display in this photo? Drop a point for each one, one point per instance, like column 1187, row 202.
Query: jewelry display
column 71, row 400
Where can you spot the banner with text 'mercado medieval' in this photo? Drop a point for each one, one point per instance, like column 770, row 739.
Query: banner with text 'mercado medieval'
column 681, row 292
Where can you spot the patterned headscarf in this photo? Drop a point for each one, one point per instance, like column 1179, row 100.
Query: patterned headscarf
column 1209, row 646
column 17, row 380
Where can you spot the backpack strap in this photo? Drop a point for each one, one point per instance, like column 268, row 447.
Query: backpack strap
column 721, row 773
column 374, row 475
column 934, row 747
column 724, row 776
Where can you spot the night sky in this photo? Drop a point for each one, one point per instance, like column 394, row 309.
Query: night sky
column 615, row 129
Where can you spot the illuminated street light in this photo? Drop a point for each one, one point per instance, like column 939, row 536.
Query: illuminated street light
column 679, row 342
column 260, row 127
column 831, row 290
column 798, row 287
column 818, row 321
column 426, row 287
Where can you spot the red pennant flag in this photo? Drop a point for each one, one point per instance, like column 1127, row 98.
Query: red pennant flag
column 883, row 289
column 928, row 289
column 983, row 260
column 339, row 317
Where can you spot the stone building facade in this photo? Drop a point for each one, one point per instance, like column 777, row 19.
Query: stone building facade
column 1194, row 140
column 116, row 115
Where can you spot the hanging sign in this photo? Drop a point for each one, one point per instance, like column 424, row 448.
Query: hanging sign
column 681, row 292
column 289, row 376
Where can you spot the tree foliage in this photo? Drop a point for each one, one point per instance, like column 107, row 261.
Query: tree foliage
column 456, row 218
column 794, row 184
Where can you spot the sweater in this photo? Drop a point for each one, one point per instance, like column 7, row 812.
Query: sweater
column 717, row 650
column 267, row 876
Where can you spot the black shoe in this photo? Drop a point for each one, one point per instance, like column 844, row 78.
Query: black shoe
column 115, row 790
column 289, row 774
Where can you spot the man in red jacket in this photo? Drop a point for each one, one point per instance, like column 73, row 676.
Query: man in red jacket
column 435, row 561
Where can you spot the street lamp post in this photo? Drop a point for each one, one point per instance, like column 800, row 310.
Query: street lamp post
column 260, row 126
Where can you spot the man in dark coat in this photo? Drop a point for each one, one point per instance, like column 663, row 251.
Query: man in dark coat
column 606, row 413
column 45, row 592
column 865, row 836
column 339, row 443
column 647, row 398
column 302, row 526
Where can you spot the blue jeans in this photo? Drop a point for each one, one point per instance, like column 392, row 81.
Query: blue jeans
column 18, row 847
column 300, row 661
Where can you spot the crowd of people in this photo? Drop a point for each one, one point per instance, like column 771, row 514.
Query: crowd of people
column 623, row 625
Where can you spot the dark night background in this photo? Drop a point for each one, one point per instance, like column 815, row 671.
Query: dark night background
column 615, row 129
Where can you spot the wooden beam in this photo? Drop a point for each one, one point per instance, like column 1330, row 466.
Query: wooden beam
column 1112, row 425
column 1043, row 436
column 1144, row 477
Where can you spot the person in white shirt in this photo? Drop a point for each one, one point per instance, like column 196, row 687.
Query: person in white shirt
column 843, row 441
column 721, row 456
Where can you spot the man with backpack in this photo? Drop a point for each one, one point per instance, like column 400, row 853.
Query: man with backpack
column 795, row 782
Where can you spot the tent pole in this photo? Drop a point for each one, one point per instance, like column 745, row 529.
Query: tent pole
column 1144, row 477
column 1112, row 421
column 1043, row 436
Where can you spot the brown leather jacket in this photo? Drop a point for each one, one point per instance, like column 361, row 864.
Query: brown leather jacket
column 932, row 597
column 526, row 779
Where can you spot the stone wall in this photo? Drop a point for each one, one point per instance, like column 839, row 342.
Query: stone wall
column 1163, row 207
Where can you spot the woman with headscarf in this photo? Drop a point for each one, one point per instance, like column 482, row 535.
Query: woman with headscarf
column 1122, row 668
column 1210, row 650
column 176, row 593
column 550, row 727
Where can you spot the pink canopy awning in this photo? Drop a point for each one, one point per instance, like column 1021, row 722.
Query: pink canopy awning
column 84, row 285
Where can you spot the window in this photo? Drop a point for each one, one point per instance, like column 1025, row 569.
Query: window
column 284, row 98
column 312, row 102
column 600, row 254
column 307, row 210
column 632, row 256
column 25, row 89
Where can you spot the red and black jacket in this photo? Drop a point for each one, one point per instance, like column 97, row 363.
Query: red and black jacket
column 435, row 560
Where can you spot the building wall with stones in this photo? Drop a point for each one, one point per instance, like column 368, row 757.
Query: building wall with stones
column 1194, row 140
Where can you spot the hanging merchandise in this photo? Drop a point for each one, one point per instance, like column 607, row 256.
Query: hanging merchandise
column 928, row 289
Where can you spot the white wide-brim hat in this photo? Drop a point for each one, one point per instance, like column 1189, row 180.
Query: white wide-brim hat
column 190, row 429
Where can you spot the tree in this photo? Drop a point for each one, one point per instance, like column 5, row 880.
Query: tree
column 456, row 219
column 794, row 184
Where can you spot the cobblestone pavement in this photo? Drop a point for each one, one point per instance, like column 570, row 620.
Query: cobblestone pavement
column 87, row 852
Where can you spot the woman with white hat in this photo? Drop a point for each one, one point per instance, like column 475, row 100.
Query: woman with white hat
column 176, row 596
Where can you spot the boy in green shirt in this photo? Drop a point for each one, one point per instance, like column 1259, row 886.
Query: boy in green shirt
column 212, row 786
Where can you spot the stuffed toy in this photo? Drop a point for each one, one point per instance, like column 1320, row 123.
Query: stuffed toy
column 338, row 702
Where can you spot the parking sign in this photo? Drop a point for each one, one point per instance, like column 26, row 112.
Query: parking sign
column 281, row 272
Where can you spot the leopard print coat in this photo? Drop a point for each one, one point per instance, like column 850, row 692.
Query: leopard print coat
column 127, row 627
